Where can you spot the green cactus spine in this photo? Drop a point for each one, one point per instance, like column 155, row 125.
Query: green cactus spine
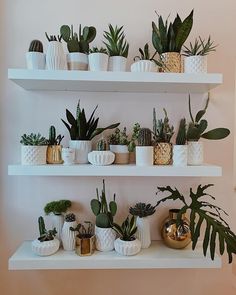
column 36, row 46
column 42, row 228
column 181, row 135
column 145, row 137
column 101, row 145
column 52, row 134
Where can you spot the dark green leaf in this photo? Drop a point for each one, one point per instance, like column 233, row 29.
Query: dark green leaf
column 217, row 133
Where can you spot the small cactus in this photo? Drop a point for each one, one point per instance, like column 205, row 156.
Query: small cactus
column 70, row 217
column 45, row 235
column 181, row 135
column 53, row 140
column 145, row 137
column 36, row 46
column 101, row 145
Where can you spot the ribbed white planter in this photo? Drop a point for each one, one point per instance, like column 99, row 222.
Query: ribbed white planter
column 57, row 222
column 117, row 64
column 143, row 66
column 98, row 61
column 127, row 248
column 180, row 155
column 101, row 158
column 33, row 155
column 82, row 148
column 144, row 155
column 143, row 231
column 55, row 57
column 105, row 238
column 68, row 156
column 68, row 237
column 195, row 64
column 35, row 60
column 195, row 153
column 77, row 61
column 45, row 248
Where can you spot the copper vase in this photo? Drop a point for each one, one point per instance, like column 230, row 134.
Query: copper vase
column 171, row 62
column 85, row 246
column 54, row 154
column 163, row 153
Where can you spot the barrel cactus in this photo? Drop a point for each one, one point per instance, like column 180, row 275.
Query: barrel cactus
column 36, row 46
column 101, row 145
column 145, row 137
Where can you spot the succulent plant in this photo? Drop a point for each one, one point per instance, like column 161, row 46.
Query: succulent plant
column 199, row 47
column 85, row 230
column 162, row 130
column 181, row 135
column 53, row 37
column 142, row 210
column 80, row 128
column 118, row 137
column 145, row 137
column 103, row 211
column 101, row 145
column 134, row 137
column 53, row 139
column 70, row 217
column 127, row 229
column 115, row 41
column 33, row 139
column 36, row 46
column 57, row 207
column 145, row 54
column 45, row 235
column 98, row 50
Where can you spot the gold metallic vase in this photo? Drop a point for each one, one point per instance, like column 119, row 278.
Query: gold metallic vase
column 54, row 154
column 171, row 62
column 163, row 153
column 85, row 246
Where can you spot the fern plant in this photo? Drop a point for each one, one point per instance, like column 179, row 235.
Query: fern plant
column 201, row 212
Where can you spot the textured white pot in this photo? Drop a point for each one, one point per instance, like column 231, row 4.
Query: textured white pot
column 35, row 60
column 195, row 64
column 143, row 66
column 55, row 57
column 180, row 155
column 144, row 155
column 57, row 222
column 68, row 237
column 127, row 248
column 98, row 61
column 195, row 153
column 118, row 148
column 117, row 64
column 105, row 238
column 77, row 61
column 82, row 148
column 45, row 248
column 101, row 158
column 68, row 156
column 143, row 231
column 33, row 155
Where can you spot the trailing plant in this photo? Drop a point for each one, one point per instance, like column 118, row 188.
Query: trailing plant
column 145, row 137
column 70, row 217
column 98, row 50
column 200, row 47
column 53, row 37
column 198, row 126
column 36, row 46
column 53, row 139
column 118, row 137
column 57, row 207
column 101, row 145
column 142, row 210
column 33, row 139
column 134, row 137
column 181, row 135
column 204, row 212
column 103, row 211
column 45, row 235
column 127, row 229
column 115, row 41
column 85, row 231
column 82, row 129
column 162, row 130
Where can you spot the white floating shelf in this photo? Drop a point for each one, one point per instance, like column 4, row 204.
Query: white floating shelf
column 114, row 170
column 157, row 256
column 114, row 81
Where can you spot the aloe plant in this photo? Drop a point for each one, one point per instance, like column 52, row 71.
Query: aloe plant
column 199, row 47
column 127, row 229
column 98, row 50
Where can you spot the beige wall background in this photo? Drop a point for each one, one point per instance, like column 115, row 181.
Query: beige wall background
column 23, row 198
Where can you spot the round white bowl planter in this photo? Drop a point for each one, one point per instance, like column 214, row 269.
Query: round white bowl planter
column 35, row 60
column 45, row 248
column 55, row 57
column 143, row 231
column 143, row 66
column 98, row 61
column 77, row 61
column 82, row 148
column 127, row 248
column 101, row 158
column 195, row 64
column 57, row 222
column 68, row 156
column 117, row 64
column 33, row 155
column 105, row 238
column 68, row 237
column 195, row 153
column 144, row 155
column 180, row 155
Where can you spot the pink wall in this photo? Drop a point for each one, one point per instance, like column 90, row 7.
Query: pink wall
column 22, row 198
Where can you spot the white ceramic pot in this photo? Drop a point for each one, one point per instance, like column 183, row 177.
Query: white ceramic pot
column 98, row 61
column 68, row 237
column 127, row 248
column 33, row 155
column 35, row 60
column 195, row 153
column 105, row 238
column 144, row 155
column 45, row 248
column 101, row 158
column 68, row 156
column 57, row 222
column 195, row 64
column 143, row 66
column 77, row 61
column 143, row 231
column 118, row 148
column 55, row 57
column 117, row 64
column 82, row 148
column 180, row 155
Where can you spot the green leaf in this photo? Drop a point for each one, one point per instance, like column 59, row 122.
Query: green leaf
column 213, row 243
column 202, row 126
column 206, row 238
column 70, row 118
column 196, row 233
column 184, row 31
column 221, row 244
column 217, row 133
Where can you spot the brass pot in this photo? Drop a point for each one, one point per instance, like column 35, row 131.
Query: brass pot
column 54, row 154
column 173, row 236
column 171, row 62
column 85, row 246
column 163, row 153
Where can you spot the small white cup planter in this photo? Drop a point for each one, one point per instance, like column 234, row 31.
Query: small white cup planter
column 45, row 248
column 195, row 153
column 68, row 156
column 143, row 231
column 33, row 155
column 121, row 153
column 195, row 64
column 127, row 248
column 98, row 61
column 77, row 61
column 180, row 155
column 68, row 237
column 105, row 238
column 144, row 155
column 57, row 222
column 55, row 57
column 101, row 158
column 117, row 64
column 143, row 66
column 35, row 60
column 82, row 148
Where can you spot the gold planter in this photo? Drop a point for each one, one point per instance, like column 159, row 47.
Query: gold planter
column 163, row 153
column 173, row 236
column 54, row 154
column 171, row 62
column 85, row 246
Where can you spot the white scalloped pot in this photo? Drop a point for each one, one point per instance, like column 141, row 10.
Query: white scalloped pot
column 82, row 148
column 45, row 248
column 195, row 64
column 101, row 158
column 55, row 56
column 127, row 248
column 195, row 153
column 33, row 155
column 105, row 238
column 143, row 66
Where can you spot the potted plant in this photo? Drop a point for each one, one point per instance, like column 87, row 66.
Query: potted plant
column 104, row 212
column 68, row 237
column 203, row 212
column 55, row 56
column 163, row 133
column 127, row 244
column 33, row 149
column 145, row 62
column 85, row 239
column 46, row 244
column 118, row 142
column 35, row 58
column 195, row 60
column 117, row 48
column 168, row 39
column 133, row 142
column 101, row 157
column 54, row 148
column 142, row 211
column 196, row 130
column 82, row 131
column 144, row 149
column 56, row 209
column 180, row 148
column 68, row 155
column 98, row 59
column 78, row 46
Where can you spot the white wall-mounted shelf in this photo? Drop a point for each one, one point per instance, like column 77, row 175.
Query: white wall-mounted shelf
column 114, row 81
column 114, row 170
column 157, row 256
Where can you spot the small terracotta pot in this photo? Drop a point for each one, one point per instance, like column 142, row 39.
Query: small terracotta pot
column 85, row 246
column 54, row 154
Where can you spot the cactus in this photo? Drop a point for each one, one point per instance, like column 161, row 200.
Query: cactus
column 98, row 50
column 134, row 137
column 118, row 137
column 53, row 37
column 104, row 213
column 53, row 140
column 145, row 137
column 45, row 235
column 181, row 135
column 161, row 128
column 101, row 145
column 84, row 230
column 70, row 217
column 142, row 210
column 42, row 228
column 33, row 139
column 36, row 46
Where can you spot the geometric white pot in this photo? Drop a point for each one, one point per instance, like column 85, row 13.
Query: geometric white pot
column 105, row 238
column 127, row 248
column 143, row 231
column 98, row 61
column 33, row 155
column 180, row 155
column 117, row 64
column 143, row 66
column 35, row 60
column 77, row 61
column 195, row 64
column 101, row 158
column 144, row 155
column 68, row 156
column 68, row 237
column 57, row 222
column 45, row 248
column 195, row 153
column 55, row 56
column 82, row 148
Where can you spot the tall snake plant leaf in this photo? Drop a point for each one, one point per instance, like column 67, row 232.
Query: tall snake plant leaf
column 183, row 31
column 163, row 32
